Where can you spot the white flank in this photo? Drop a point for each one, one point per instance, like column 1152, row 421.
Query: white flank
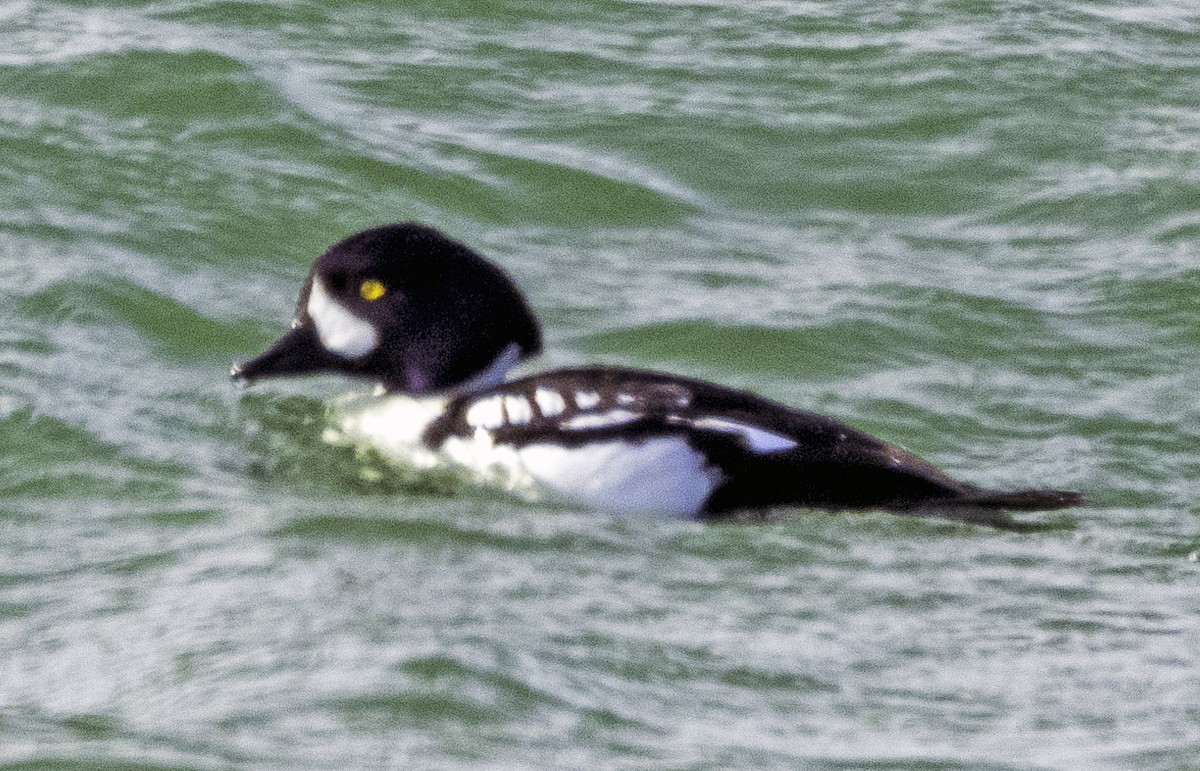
column 663, row 476
column 340, row 330
column 757, row 439
column 491, row 464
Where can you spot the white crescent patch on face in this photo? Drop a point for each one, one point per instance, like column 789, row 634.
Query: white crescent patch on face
column 340, row 330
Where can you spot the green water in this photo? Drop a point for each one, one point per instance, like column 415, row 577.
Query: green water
column 972, row 228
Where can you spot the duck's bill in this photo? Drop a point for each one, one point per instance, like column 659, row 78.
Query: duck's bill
column 299, row 352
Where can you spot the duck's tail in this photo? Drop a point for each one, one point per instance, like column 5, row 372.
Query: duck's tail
column 1023, row 500
column 991, row 507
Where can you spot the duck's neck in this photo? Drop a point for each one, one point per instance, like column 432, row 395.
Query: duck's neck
column 493, row 374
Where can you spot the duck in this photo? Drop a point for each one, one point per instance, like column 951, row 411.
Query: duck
column 439, row 328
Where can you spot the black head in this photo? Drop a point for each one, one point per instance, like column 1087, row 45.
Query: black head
column 406, row 306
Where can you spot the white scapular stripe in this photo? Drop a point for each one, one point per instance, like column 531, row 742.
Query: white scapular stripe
column 600, row 420
column 340, row 330
column 759, row 440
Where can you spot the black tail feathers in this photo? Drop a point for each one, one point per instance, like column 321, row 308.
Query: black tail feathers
column 1023, row 500
column 991, row 507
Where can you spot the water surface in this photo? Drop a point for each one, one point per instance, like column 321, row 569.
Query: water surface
column 968, row 227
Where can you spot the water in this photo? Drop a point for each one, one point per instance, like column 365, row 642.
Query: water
column 967, row 227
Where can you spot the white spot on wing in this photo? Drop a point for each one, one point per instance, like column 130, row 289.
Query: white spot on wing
column 486, row 413
column 549, row 402
column 600, row 420
column 625, row 399
column 759, row 440
column 518, row 410
column 340, row 330
column 585, row 400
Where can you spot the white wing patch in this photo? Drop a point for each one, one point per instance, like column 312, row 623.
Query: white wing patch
column 759, row 440
column 340, row 330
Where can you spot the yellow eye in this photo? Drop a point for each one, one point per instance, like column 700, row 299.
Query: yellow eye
column 371, row 290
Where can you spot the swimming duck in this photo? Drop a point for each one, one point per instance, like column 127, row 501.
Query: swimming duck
column 439, row 327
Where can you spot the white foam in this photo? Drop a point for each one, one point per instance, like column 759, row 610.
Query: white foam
column 393, row 425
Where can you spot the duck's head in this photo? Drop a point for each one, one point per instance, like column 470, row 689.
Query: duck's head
column 406, row 306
